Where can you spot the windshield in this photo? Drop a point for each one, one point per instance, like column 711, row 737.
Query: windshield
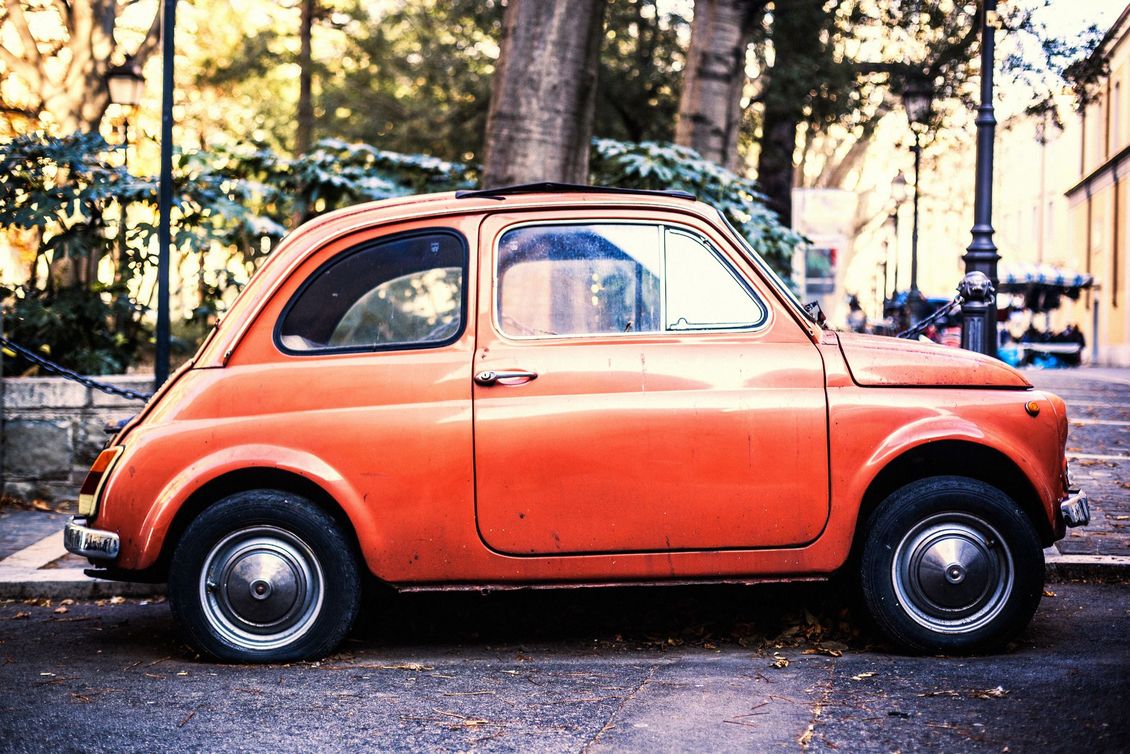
column 770, row 273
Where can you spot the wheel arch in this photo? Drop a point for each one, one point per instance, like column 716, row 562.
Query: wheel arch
column 252, row 478
column 954, row 458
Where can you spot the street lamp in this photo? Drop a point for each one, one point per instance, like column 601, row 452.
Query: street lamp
column 898, row 195
column 916, row 100
column 979, row 310
column 125, row 84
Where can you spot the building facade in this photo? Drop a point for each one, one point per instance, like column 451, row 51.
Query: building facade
column 1098, row 197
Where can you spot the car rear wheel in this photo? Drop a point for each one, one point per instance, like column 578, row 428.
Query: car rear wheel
column 951, row 564
column 264, row 576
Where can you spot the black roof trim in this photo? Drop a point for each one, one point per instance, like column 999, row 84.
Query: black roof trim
column 550, row 187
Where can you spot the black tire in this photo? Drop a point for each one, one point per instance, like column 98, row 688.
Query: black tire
column 264, row 576
column 951, row 565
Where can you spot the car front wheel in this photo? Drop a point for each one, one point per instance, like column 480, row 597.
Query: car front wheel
column 951, row 564
column 264, row 576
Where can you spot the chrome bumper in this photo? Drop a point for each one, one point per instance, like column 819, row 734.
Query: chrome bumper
column 1075, row 509
column 90, row 543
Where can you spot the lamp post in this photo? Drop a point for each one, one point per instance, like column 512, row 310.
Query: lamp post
column 898, row 194
column 125, row 84
column 978, row 287
column 916, row 100
column 1046, row 130
column 165, row 193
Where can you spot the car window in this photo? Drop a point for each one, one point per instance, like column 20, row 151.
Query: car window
column 579, row 279
column 703, row 292
column 401, row 292
column 603, row 278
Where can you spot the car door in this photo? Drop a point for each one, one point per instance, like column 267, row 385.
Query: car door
column 639, row 389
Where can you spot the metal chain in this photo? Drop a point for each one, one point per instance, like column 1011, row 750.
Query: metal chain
column 921, row 326
column 62, row 371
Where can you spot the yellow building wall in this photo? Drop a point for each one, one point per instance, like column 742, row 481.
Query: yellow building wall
column 1098, row 198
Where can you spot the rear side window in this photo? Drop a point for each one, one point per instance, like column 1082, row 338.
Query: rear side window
column 406, row 291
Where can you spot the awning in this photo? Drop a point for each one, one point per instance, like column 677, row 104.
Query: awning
column 1020, row 278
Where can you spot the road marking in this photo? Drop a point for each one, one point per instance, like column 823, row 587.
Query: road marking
column 1096, row 404
column 1103, row 422
column 37, row 555
column 1097, row 457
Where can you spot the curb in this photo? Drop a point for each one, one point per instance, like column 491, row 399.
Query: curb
column 1060, row 567
column 67, row 583
column 72, row 583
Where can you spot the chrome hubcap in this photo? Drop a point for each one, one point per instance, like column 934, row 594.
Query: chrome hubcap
column 261, row 587
column 952, row 573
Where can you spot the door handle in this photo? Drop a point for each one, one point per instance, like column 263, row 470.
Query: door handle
column 505, row 377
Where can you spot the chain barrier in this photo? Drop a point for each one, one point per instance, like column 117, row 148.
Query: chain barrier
column 69, row 374
column 945, row 309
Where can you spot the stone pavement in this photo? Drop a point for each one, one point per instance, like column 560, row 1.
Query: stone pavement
column 1098, row 451
column 33, row 562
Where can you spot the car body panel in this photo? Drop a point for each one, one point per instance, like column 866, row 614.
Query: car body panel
column 649, row 441
column 875, row 362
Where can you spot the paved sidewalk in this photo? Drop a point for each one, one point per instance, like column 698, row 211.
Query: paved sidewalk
column 33, row 563
column 1098, row 450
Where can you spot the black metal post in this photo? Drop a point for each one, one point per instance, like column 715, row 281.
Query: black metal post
column 979, row 312
column 122, row 218
column 165, row 199
column 917, row 149
column 895, row 223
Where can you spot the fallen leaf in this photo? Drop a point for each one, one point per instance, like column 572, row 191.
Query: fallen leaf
column 119, row 601
column 1123, row 518
column 1049, row 593
column 40, row 505
column 945, row 692
column 997, row 693
column 779, row 661
column 59, row 610
column 861, row 676
column 20, row 615
column 806, row 737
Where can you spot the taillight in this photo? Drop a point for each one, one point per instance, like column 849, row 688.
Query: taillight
column 95, row 478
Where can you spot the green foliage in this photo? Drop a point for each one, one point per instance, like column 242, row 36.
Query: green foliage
column 242, row 201
column 641, row 72
column 71, row 326
column 650, row 165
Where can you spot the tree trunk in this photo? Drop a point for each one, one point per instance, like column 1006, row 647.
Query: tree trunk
column 68, row 82
column 710, row 110
column 543, row 96
column 304, row 135
column 796, row 31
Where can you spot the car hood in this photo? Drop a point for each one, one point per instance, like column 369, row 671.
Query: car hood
column 876, row 361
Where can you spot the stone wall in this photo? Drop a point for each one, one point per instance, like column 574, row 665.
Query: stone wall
column 53, row 428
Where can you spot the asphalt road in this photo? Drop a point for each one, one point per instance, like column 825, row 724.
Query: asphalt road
column 663, row 669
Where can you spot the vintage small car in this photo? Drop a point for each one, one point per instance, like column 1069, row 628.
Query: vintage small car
column 554, row 385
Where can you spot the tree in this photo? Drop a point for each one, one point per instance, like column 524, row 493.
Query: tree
column 543, row 93
column 641, row 72
column 63, row 74
column 305, row 129
column 710, row 111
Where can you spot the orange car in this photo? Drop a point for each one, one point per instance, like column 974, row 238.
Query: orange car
column 557, row 385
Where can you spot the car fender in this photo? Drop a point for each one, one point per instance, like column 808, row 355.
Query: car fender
column 190, row 480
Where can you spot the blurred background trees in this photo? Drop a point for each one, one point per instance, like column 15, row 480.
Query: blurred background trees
column 289, row 108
